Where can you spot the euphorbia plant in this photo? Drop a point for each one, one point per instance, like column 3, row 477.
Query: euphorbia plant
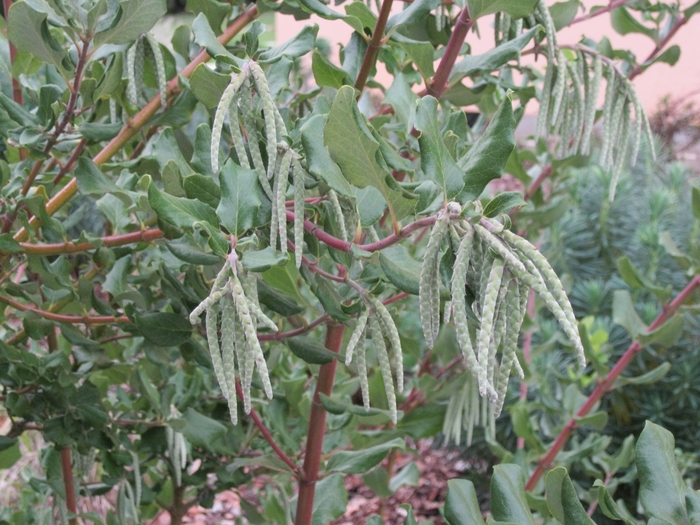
column 126, row 220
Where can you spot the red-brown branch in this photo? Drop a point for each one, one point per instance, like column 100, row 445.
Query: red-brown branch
column 373, row 46
column 459, row 33
column 317, row 428
column 606, row 384
column 638, row 69
column 110, row 241
column 73, row 319
column 598, row 12
column 267, row 435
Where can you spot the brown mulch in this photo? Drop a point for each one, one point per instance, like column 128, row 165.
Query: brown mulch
column 436, row 466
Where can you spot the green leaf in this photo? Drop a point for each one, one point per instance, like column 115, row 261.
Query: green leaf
column 7, row 442
column 436, row 161
column 461, row 504
column 150, row 392
column 163, row 328
column 99, row 131
column 696, row 202
column 665, row 335
column 242, row 206
column 17, row 112
column 204, row 36
column 208, row 85
column 334, row 406
column 508, row 501
column 263, row 260
column 9, row 244
column 183, row 213
column 200, row 430
column 135, row 17
column 625, row 315
column 421, row 53
column 608, row 505
column 493, row 59
column 635, row 279
column 661, row 487
column 407, row 476
column 10, row 456
column 424, row 421
column 562, row 499
column 515, row 8
column 187, row 250
column 413, row 14
column 410, row 518
column 277, row 301
column 488, row 156
column 564, row 12
column 355, row 150
column 649, row 378
column 360, row 461
column 401, row 97
column 202, row 188
column 293, row 48
column 670, row 56
column 331, row 499
column 213, row 10
column 310, row 350
column 402, row 270
column 91, row 181
column 319, row 159
column 29, row 31
column 624, row 23
column 503, row 202
column 597, row 420
column 327, row 74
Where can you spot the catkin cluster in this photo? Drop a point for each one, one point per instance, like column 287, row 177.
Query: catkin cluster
column 497, row 268
column 135, row 57
column 246, row 97
column 570, row 92
column 375, row 324
column 233, row 302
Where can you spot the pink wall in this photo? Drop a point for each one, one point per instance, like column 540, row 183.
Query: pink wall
column 660, row 80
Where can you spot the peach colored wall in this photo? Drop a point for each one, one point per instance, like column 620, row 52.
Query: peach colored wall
column 659, row 81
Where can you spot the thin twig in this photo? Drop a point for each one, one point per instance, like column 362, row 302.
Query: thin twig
column 373, row 46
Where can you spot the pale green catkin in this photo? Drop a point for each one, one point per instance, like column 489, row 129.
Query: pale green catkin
column 254, row 354
column 338, row 213
column 228, row 354
column 499, row 330
column 497, row 29
column 456, row 408
column 447, row 313
column 545, row 103
column 473, row 408
column 429, row 296
column 459, row 301
column 545, row 17
column 269, row 114
column 283, row 177
column 132, row 94
column 606, row 157
column 591, row 102
column 239, row 141
column 113, row 118
column 514, row 319
column 361, row 361
column 220, row 116
column 384, row 366
column 579, row 108
column 559, row 87
column 298, row 179
column 247, row 103
column 137, row 477
column 357, row 335
column 485, row 332
column 386, row 322
column 526, row 272
column 622, row 152
column 610, row 92
column 212, row 321
column 160, row 68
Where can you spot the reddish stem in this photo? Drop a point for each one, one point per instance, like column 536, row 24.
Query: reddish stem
column 67, row 467
column 267, row 435
column 75, row 319
column 68, row 166
column 459, row 33
column 640, row 67
column 16, row 86
column 601, row 11
column 373, row 46
column 606, row 384
column 109, row 241
column 317, row 427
